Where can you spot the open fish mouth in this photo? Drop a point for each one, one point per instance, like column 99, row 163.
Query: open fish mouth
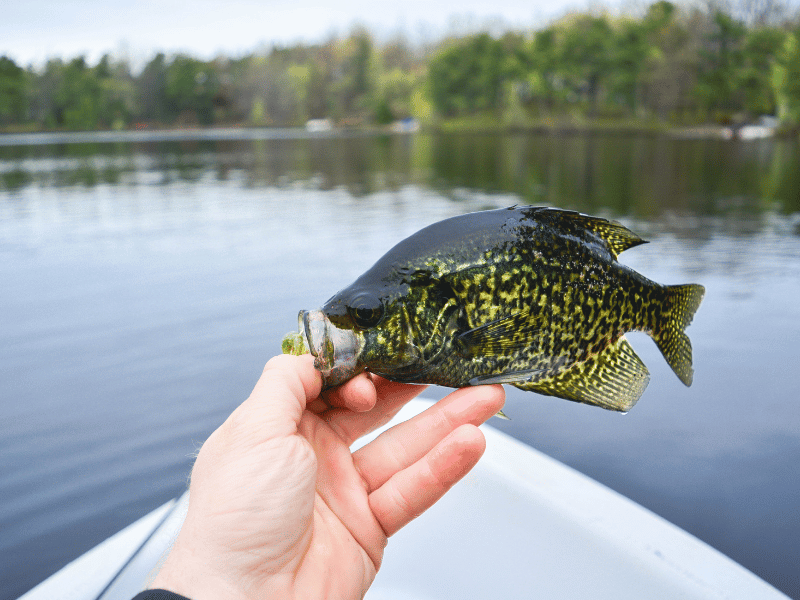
column 336, row 351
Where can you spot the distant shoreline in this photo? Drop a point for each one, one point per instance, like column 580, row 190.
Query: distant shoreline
column 167, row 135
column 566, row 127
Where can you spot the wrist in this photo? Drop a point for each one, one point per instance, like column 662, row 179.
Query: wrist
column 158, row 594
column 191, row 576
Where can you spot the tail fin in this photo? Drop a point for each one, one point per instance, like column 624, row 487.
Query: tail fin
column 678, row 309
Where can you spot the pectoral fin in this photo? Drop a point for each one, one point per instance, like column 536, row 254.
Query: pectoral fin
column 500, row 337
column 613, row 379
column 517, row 378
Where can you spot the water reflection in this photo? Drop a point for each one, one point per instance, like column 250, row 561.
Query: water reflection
column 627, row 175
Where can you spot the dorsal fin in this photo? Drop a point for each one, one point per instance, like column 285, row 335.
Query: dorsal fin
column 616, row 236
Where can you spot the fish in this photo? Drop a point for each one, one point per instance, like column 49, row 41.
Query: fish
column 533, row 297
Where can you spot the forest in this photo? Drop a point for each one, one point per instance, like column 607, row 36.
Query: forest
column 671, row 64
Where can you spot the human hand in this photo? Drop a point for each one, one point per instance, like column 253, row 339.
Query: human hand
column 280, row 508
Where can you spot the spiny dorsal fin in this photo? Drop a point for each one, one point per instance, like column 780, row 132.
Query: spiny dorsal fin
column 613, row 379
column 617, row 237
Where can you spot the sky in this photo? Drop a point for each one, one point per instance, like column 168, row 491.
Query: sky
column 32, row 31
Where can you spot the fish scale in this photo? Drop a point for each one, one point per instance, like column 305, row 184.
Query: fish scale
column 529, row 296
column 554, row 342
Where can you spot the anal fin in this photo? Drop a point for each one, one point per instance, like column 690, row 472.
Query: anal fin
column 614, row 379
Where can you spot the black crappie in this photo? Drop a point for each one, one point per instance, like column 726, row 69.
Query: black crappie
column 529, row 296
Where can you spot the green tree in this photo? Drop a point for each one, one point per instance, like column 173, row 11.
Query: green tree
column 469, row 76
column 78, row 101
column 151, row 88
column 118, row 93
column 670, row 73
column 718, row 86
column 587, row 57
column 320, row 81
column 635, row 51
column 630, row 52
column 42, row 89
column 13, row 91
column 677, row 62
column 786, row 80
column 395, row 88
column 761, row 47
column 542, row 75
column 354, row 87
column 284, row 86
column 190, row 91
column 247, row 79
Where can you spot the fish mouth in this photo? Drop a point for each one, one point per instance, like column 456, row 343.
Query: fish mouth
column 336, row 351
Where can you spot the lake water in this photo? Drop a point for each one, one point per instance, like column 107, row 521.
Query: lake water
column 143, row 284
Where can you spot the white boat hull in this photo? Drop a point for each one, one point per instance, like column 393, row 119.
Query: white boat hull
column 520, row 525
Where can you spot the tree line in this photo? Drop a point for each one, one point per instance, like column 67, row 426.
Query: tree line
column 673, row 63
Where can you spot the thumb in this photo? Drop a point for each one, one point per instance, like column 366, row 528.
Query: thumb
column 278, row 400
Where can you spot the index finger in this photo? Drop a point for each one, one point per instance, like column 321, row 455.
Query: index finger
column 391, row 397
column 406, row 443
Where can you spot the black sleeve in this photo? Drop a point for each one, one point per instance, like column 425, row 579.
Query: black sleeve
column 158, row 595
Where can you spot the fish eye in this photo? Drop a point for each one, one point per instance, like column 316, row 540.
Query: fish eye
column 366, row 310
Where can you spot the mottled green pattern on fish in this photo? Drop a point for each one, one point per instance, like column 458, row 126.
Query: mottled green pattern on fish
column 533, row 297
